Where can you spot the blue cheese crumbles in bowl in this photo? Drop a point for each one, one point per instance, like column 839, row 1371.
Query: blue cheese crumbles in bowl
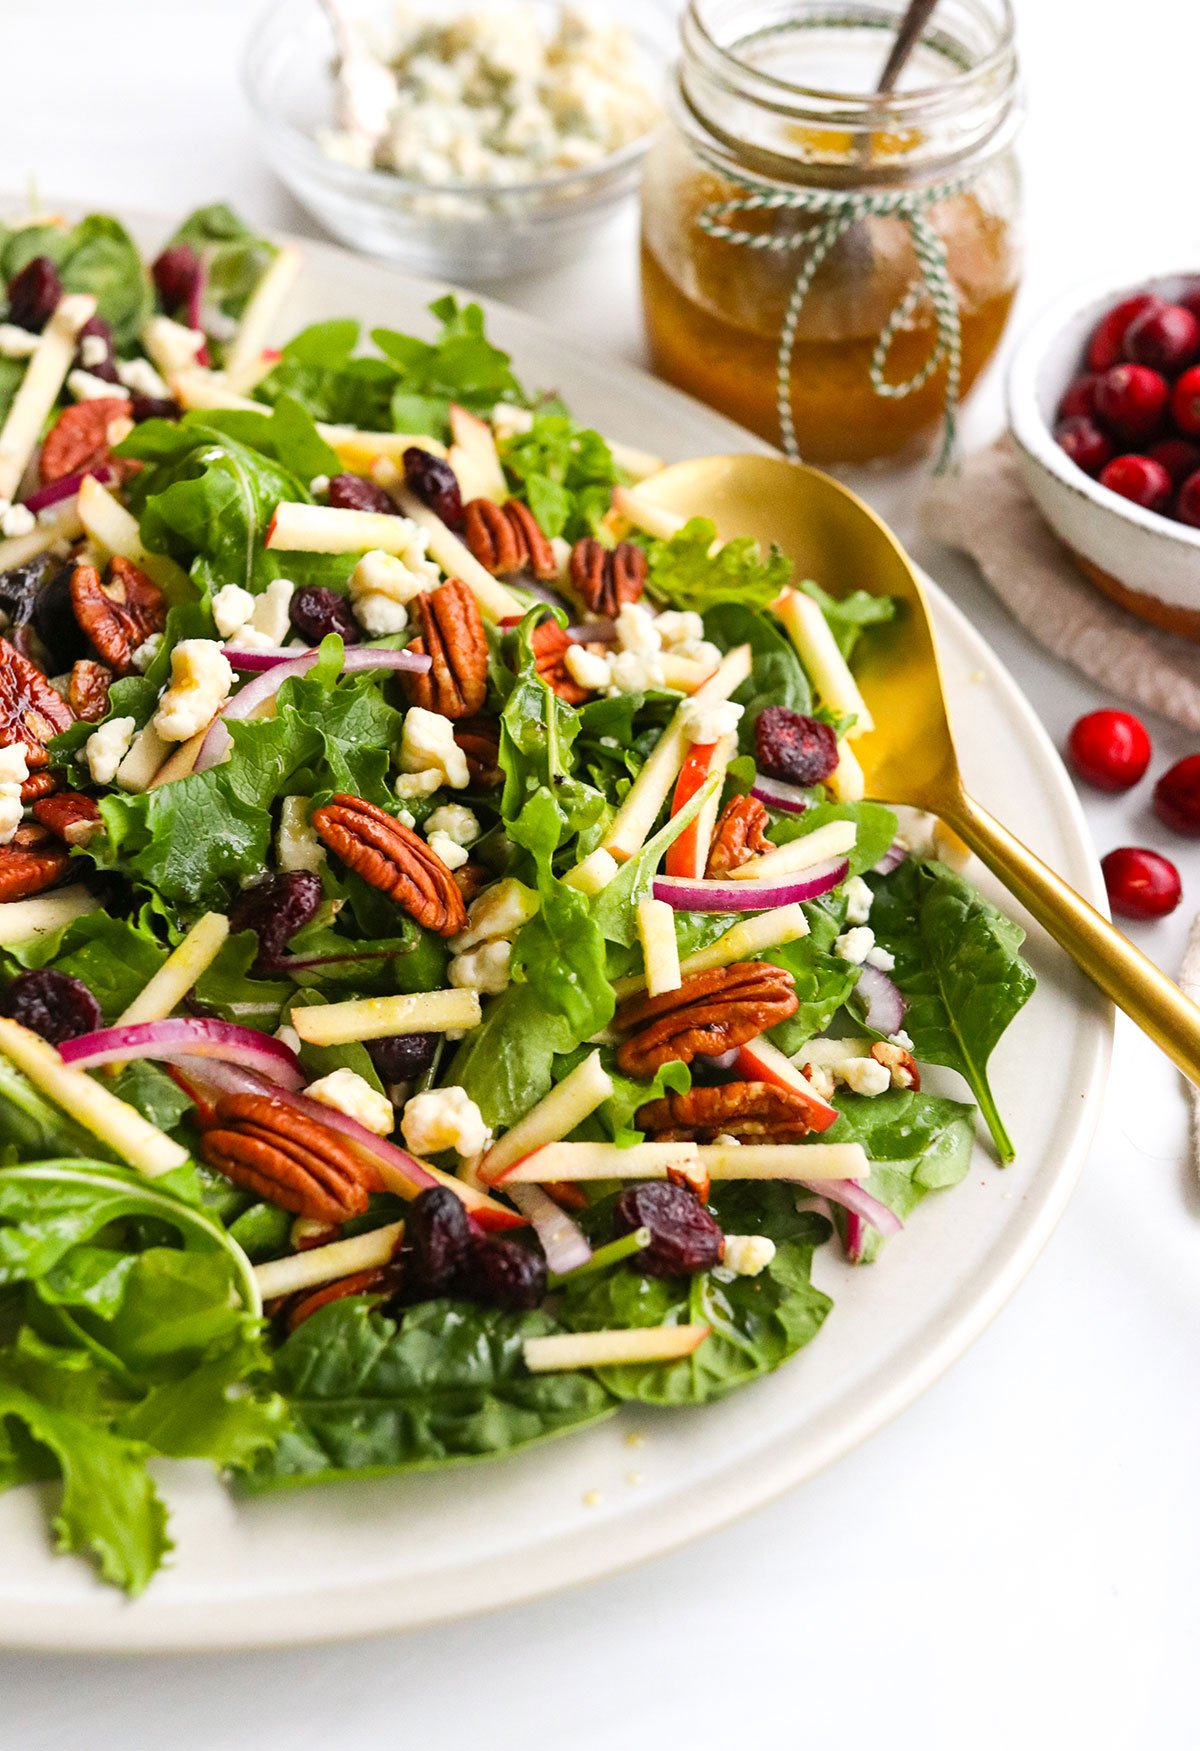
column 467, row 142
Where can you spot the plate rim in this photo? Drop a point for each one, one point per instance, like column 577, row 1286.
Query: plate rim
column 101, row 1624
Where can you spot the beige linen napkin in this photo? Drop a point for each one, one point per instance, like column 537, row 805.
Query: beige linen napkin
column 984, row 510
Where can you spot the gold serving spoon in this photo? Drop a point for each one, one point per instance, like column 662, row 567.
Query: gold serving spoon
column 909, row 757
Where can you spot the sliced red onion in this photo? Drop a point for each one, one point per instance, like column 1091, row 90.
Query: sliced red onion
column 594, row 632
column 66, row 488
column 856, row 1237
column 850, row 1194
column 562, row 1239
column 284, row 666
column 885, row 1005
column 186, row 1037
column 703, row 896
column 893, row 857
column 778, row 795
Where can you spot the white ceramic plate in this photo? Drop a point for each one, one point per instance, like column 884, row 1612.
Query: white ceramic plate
column 359, row 1558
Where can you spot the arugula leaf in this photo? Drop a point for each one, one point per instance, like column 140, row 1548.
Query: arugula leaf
column 849, row 616
column 32, row 1127
column 369, row 1397
column 684, row 573
column 287, row 433
column 917, row 1143
column 317, row 368
column 460, row 365
column 564, row 471
column 757, row 1322
column 958, row 966
column 235, row 259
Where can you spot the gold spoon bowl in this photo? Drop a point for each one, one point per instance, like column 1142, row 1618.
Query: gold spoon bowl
column 909, row 757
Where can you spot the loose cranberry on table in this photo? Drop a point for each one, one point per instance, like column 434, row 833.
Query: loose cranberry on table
column 1177, row 796
column 1132, row 400
column 1187, row 504
column 1139, row 479
column 1109, row 749
column 1167, row 337
column 1083, row 441
column 1106, row 346
column 1140, row 883
column 1185, row 402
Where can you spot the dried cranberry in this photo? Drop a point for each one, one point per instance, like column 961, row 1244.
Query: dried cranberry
column 352, row 492
column 56, row 625
column 176, row 275
column 275, row 907
column 33, row 294
column 398, row 1057
column 316, row 612
column 798, row 749
column 153, row 407
column 19, row 588
column 439, row 1243
column 52, row 1004
column 104, row 367
column 435, row 484
column 683, row 1236
column 504, row 1274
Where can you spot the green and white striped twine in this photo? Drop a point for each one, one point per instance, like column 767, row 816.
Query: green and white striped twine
column 841, row 211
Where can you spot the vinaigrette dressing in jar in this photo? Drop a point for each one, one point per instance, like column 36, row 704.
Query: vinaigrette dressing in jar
column 898, row 215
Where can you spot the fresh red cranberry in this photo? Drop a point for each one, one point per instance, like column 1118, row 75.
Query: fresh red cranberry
column 1138, row 479
column 176, row 274
column 1132, row 399
column 1080, row 399
column 1140, row 883
column 1166, row 337
column 1177, row 456
column 684, row 1238
column 502, row 1273
column 398, row 1057
column 275, row 907
column 1187, row 501
column 435, row 484
column 33, row 294
column 352, row 492
column 438, row 1243
column 1177, row 796
column 52, row 1004
column 1108, row 337
column 794, row 747
column 315, row 612
column 1083, row 441
column 1185, row 402
column 1109, row 749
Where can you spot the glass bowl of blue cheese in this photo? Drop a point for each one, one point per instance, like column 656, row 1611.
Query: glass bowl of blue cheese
column 467, row 142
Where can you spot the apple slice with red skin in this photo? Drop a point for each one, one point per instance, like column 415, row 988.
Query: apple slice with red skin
column 762, row 1062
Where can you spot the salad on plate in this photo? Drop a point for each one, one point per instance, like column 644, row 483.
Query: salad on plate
column 451, row 981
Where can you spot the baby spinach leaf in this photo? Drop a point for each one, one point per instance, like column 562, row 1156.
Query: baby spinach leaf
column 448, row 1383
column 822, row 980
column 959, row 967
column 683, row 573
column 97, row 256
column 917, row 1143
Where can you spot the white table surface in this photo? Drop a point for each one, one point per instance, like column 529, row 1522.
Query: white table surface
column 1015, row 1562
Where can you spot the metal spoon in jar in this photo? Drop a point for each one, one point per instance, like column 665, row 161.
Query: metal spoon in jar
column 909, row 756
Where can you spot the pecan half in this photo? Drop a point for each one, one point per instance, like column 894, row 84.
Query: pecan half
column 80, row 436
column 87, row 690
column 506, row 538
column 479, row 739
column 120, row 614
column 550, row 645
column 393, row 859
column 710, row 1013
column 30, row 862
column 899, row 1061
column 452, row 636
column 70, row 816
column 31, row 712
column 286, row 1157
column 381, row 1280
column 607, row 576
column 739, row 835
column 753, row 1112
column 39, row 784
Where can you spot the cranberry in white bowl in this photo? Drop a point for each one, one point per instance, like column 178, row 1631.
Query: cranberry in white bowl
column 1104, row 411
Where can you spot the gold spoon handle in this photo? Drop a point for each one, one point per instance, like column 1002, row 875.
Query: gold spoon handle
column 1109, row 959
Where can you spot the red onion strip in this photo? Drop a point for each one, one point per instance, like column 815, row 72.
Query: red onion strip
column 885, row 1005
column 778, row 795
column 893, row 857
column 185, row 1037
column 749, row 896
column 66, row 488
column 562, row 1239
column 850, row 1195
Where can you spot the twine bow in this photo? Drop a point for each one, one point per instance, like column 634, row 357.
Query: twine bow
column 841, row 211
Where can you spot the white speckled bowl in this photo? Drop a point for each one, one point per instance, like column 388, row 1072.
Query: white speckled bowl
column 1146, row 562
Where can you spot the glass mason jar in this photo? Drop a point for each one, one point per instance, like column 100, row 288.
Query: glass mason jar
column 779, row 164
